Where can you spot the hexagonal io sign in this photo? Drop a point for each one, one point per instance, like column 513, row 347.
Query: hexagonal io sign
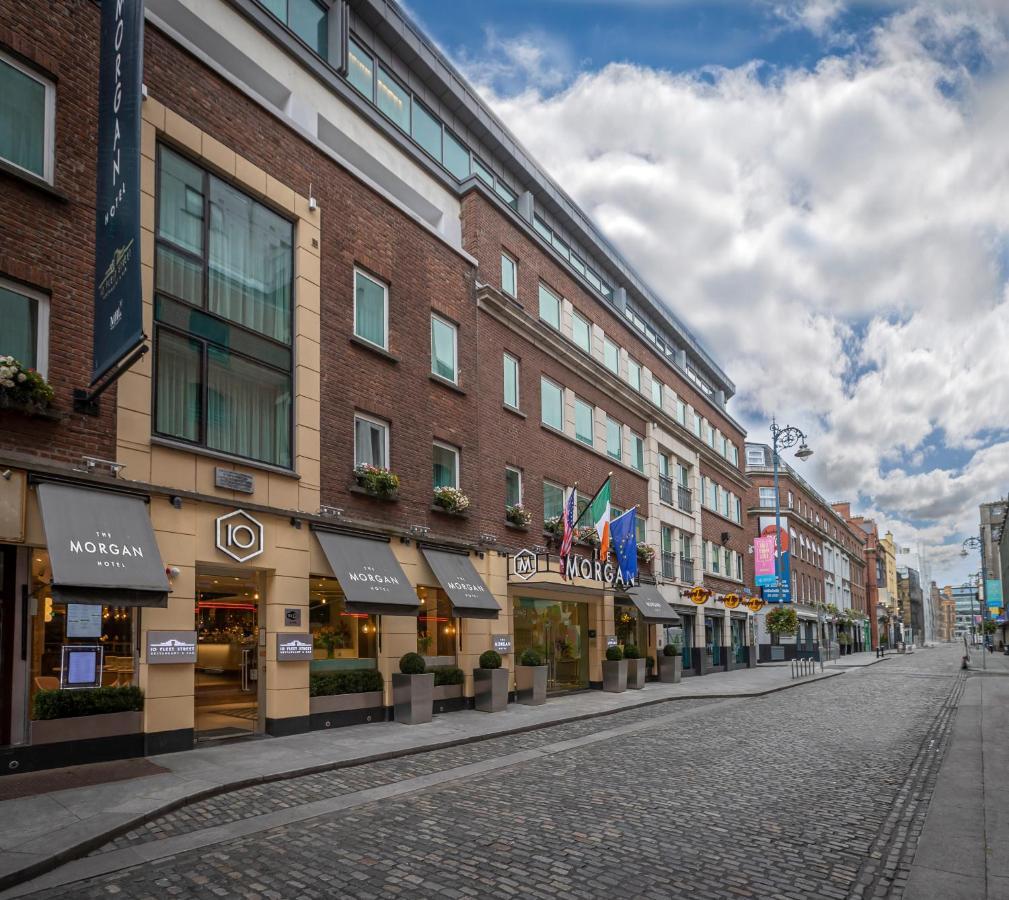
column 239, row 535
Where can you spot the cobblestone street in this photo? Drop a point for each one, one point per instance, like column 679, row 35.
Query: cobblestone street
column 815, row 792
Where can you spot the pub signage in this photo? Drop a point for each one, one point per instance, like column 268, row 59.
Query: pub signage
column 294, row 647
column 525, row 564
column 171, row 647
column 239, row 535
column 118, row 317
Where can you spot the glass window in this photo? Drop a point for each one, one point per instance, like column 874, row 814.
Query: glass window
column 393, row 100
column 307, row 19
column 542, row 229
column 222, row 370
column 584, row 415
column 553, row 501
column 727, row 562
column 681, row 412
column 551, row 404
column 657, row 392
column 634, row 374
column 697, row 424
column 360, row 69
column 738, row 517
column 27, row 117
column 766, row 496
column 714, row 559
column 426, row 130
column 581, row 332
column 436, row 623
column 351, row 638
column 739, row 566
column 443, row 348
column 754, row 456
column 371, row 309
column 664, row 464
column 482, row 172
column 667, row 539
column 710, row 435
column 25, row 317
column 704, row 555
column 638, row 452
column 639, row 529
column 614, row 438
column 559, row 245
column 550, row 307
column 513, row 486
column 682, row 475
column 371, row 442
column 506, row 194
column 456, row 156
column 508, row 275
column 446, row 466
column 735, row 454
column 577, row 264
column 611, row 356
column 728, row 502
column 511, row 381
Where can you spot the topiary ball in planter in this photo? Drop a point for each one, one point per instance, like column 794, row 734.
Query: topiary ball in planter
column 631, row 652
column 412, row 664
column 670, row 650
column 490, row 659
column 530, row 658
column 614, row 654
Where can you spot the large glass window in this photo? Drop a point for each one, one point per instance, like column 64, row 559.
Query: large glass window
column 581, row 332
column 511, row 381
column 456, row 156
column 340, row 639
column 508, row 272
column 25, row 317
column 306, row 18
column 584, row 415
column 446, row 465
column 443, row 349
column 614, row 438
column 550, row 307
column 638, row 452
column 392, row 99
column 27, row 118
column 361, row 69
column 657, row 392
column 634, row 374
column 371, row 309
column 371, row 442
column 611, row 356
column 223, row 311
column 553, row 501
column 551, row 404
column 436, row 623
column 426, row 130
column 513, row 486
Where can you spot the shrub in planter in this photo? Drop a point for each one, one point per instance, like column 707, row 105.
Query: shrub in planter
column 23, row 387
column 92, row 702
column 412, row 691
column 782, row 620
column 649, row 663
column 412, row 664
column 615, row 671
column 531, row 657
column 518, row 515
column 635, row 667
column 614, row 654
column 353, row 681
column 671, row 650
column 630, row 652
column 447, row 675
column 490, row 659
column 377, row 480
column 451, row 499
column 671, row 663
column 490, row 683
column 531, row 679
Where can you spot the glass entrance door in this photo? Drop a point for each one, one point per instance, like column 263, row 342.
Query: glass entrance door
column 558, row 631
column 227, row 654
column 712, row 638
column 739, row 640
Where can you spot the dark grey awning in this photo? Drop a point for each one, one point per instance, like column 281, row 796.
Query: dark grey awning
column 470, row 597
column 652, row 605
column 101, row 547
column 371, row 578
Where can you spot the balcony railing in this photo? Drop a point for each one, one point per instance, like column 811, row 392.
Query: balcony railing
column 683, row 498
column 687, row 570
column 666, row 489
column 668, row 565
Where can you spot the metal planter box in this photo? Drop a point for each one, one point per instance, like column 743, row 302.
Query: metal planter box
column 490, row 689
column 670, row 669
column 413, row 698
column 615, row 676
column 345, row 702
column 531, row 685
column 85, row 728
column 636, row 674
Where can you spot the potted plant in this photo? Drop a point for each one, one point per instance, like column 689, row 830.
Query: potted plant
column 615, row 671
column 518, row 516
column 412, row 691
column 345, row 697
column 23, row 388
column 646, row 553
column 490, row 683
column 331, row 638
column 424, row 642
column 635, row 667
column 782, row 620
column 671, row 664
column 531, row 679
column 80, row 715
column 554, row 527
column 448, row 685
column 450, row 500
column 377, row 481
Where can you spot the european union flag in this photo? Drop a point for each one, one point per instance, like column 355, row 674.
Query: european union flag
column 624, row 540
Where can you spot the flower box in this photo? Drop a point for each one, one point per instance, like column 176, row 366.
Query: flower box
column 458, row 513
column 358, row 488
column 85, row 728
column 345, row 702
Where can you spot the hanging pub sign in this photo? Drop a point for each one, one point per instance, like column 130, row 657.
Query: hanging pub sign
column 118, row 323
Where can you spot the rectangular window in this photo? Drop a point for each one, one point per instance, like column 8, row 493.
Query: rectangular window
column 682, row 475
column 713, row 499
column 681, row 412
column 614, row 438
column 738, row 517
column 739, row 566
column 766, row 497
column 371, row 310
column 634, row 374
column 306, row 18
column 444, row 349
column 698, row 420
column 551, row 404
column 223, row 304
column 735, row 455
column 393, row 100
column 581, row 332
column 667, row 539
column 584, row 421
column 456, row 156
column 638, row 452
column 710, row 436
column 446, row 465
column 426, row 130
column 542, row 229
column 611, row 356
column 550, row 307
column 483, row 173
column 553, row 501
column 371, row 442
column 791, row 501
column 27, row 118
column 639, row 529
column 704, row 555
column 686, row 542
column 511, row 381
column 361, row 69
column 508, row 275
column 727, row 504
column 754, row 456
column 506, row 194
column 664, row 464
column 657, row 392
column 714, row 559
column 727, row 562
column 25, row 332
column 513, row 486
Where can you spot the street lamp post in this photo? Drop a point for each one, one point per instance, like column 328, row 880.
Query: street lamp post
column 783, row 437
column 974, row 543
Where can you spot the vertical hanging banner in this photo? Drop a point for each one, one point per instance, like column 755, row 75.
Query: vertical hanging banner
column 119, row 324
column 763, row 560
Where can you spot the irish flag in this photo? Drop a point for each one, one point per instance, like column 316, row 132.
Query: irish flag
column 599, row 513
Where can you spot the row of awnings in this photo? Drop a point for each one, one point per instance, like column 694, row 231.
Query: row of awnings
column 103, row 551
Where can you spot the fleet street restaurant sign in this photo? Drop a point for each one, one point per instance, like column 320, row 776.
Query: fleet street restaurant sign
column 526, row 564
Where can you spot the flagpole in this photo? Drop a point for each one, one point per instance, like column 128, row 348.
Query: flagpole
column 609, row 476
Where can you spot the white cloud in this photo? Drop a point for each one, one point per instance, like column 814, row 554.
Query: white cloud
column 839, row 238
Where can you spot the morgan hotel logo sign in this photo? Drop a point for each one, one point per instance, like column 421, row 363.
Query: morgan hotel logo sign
column 107, row 552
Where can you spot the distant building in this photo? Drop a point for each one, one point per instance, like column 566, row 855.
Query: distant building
column 912, row 604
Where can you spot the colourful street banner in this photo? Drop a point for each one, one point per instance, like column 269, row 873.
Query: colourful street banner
column 772, row 593
column 993, row 592
column 763, row 560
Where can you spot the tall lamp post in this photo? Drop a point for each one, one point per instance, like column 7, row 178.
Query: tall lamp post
column 974, row 543
column 783, row 437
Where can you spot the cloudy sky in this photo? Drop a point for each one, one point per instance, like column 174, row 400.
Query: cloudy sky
column 820, row 189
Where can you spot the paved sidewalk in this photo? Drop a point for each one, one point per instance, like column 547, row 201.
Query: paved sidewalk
column 37, row 833
column 962, row 851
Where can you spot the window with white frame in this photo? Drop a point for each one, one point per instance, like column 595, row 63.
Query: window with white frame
column 551, row 404
column 371, row 310
column 611, row 356
column 766, row 495
column 738, row 509
column 513, row 486
column 511, row 381
column 25, row 333
column 614, row 438
column 27, row 118
column 550, row 307
column 444, row 349
column 681, row 412
column 445, row 469
column 657, row 392
column 584, row 421
column 727, row 562
column 581, row 332
column 553, row 500
column 727, row 504
column 638, row 452
column 698, row 424
column 509, row 275
column 371, row 442
column 754, row 456
column 663, row 464
column 634, row 374
column 739, row 566
column 713, row 558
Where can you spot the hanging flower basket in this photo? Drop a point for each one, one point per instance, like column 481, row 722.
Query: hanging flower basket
column 554, row 526
column 518, row 515
column 646, row 553
column 377, row 481
column 23, row 389
column 451, row 500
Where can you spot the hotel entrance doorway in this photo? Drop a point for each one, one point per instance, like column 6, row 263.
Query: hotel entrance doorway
column 228, row 675
column 558, row 631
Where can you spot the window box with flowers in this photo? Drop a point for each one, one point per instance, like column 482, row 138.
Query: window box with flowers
column 23, row 389
column 587, row 536
column 646, row 554
column 554, row 528
column 450, row 500
column 518, row 516
column 377, row 481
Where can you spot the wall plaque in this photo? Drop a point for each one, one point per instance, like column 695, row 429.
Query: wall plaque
column 294, row 647
column 171, row 647
column 230, row 480
column 611, row 640
column 502, row 643
column 292, row 617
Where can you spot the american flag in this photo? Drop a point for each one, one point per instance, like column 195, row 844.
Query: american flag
column 569, row 531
